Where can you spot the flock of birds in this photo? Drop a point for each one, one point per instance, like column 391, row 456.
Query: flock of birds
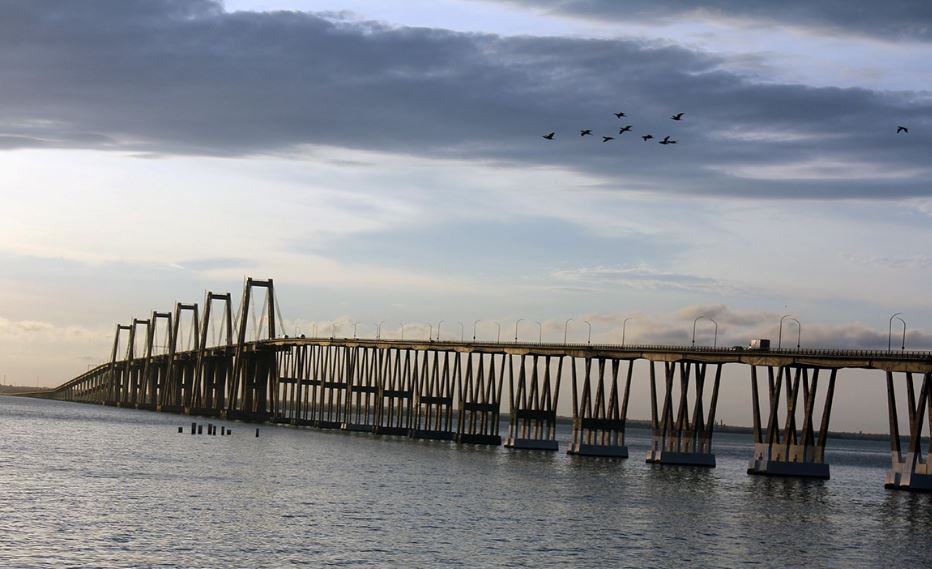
column 627, row 128
column 666, row 139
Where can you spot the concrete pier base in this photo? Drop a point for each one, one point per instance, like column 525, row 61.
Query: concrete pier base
column 432, row 435
column 467, row 439
column 705, row 460
column 532, row 444
column 356, row 427
column 610, row 451
column 909, row 474
column 765, row 467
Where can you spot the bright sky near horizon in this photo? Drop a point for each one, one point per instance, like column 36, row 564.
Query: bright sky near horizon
column 385, row 161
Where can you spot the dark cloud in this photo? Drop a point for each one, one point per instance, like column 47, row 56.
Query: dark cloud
column 892, row 19
column 164, row 77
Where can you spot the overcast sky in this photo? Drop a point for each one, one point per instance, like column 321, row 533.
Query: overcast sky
column 385, row 161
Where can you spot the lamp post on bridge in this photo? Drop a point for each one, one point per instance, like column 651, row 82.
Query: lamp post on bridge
column 903, row 345
column 540, row 332
column 333, row 330
column 430, row 332
column 378, row 330
column 498, row 337
column 403, row 331
column 780, row 332
column 799, row 331
column 315, row 329
column 714, row 337
column 890, row 331
column 589, row 337
column 355, row 324
column 624, row 326
column 518, row 321
column 474, row 324
column 438, row 329
column 566, row 326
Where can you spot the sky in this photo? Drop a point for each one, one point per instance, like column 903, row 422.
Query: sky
column 384, row 161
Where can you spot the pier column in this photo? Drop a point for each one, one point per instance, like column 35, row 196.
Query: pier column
column 480, row 395
column 798, row 452
column 680, row 438
column 533, row 422
column 911, row 471
column 598, row 415
column 433, row 406
column 362, row 400
column 395, row 412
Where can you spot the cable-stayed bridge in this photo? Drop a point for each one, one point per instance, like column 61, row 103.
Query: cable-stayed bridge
column 455, row 390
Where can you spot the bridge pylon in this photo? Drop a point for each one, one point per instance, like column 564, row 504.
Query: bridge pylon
column 599, row 412
column 910, row 471
column 480, row 395
column 799, row 452
column 434, row 396
column 533, row 421
column 683, row 438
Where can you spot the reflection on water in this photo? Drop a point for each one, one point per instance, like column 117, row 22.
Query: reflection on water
column 94, row 486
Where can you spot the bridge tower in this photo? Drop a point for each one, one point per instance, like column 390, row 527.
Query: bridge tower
column 253, row 389
column 912, row 471
column 214, row 363
column 180, row 374
column 115, row 373
column 800, row 452
column 155, row 370
column 682, row 438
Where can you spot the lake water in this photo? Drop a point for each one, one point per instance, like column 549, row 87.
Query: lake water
column 93, row 486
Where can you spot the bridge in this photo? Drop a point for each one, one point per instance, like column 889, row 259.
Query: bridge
column 449, row 390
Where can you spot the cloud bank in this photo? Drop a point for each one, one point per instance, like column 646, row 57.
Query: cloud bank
column 173, row 77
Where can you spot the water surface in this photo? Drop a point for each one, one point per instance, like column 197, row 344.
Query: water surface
column 92, row 486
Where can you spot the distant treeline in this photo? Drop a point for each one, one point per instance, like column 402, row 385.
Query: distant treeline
column 14, row 389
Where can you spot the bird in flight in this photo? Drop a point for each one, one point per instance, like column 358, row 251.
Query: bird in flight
column 625, row 129
column 607, row 138
column 585, row 132
column 619, row 115
column 666, row 140
column 549, row 136
column 677, row 116
column 900, row 129
column 647, row 137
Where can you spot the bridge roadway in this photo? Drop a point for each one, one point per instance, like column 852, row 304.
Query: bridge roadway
column 451, row 390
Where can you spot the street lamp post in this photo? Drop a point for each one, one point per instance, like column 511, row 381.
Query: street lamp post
column 890, row 331
column 903, row 345
column 540, row 332
column 518, row 321
column 474, row 324
column 589, row 337
column 715, row 335
column 378, row 330
column 799, row 331
column 566, row 326
column 355, row 324
column 438, row 329
column 333, row 330
column 498, row 337
column 624, row 326
column 780, row 332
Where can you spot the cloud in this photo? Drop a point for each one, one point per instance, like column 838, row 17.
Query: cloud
column 892, row 20
column 172, row 77
column 640, row 278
